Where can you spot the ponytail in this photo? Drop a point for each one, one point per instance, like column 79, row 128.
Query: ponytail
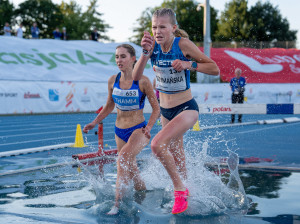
column 181, row 33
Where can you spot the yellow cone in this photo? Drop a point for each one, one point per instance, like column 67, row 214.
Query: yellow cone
column 79, row 143
column 196, row 126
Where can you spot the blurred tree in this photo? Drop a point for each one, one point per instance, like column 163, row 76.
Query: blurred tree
column 80, row 24
column 46, row 14
column 6, row 13
column 188, row 18
column 234, row 22
column 268, row 24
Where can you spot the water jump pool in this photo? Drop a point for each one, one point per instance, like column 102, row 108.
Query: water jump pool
column 61, row 194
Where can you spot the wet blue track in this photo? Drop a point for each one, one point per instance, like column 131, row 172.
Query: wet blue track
column 280, row 142
column 275, row 196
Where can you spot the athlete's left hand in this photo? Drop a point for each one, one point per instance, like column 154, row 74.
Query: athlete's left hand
column 146, row 131
column 179, row 65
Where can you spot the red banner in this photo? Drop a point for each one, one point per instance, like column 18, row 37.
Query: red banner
column 275, row 65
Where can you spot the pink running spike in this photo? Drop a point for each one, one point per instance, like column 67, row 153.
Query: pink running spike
column 181, row 202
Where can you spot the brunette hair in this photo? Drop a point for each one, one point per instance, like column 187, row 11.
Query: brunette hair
column 129, row 49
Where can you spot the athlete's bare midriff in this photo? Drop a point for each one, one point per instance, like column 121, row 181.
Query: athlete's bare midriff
column 173, row 100
column 128, row 119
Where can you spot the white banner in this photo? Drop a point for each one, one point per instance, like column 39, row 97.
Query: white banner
column 18, row 97
column 254, row 93
column 55, row 60
column 46, row 76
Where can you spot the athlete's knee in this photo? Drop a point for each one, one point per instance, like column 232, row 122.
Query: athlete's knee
column 125, row 159
column 156, row 146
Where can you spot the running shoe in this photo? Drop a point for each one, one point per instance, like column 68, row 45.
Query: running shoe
column 113, row 211
column 181, row 201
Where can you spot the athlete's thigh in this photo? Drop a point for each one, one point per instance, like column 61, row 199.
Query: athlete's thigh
column 136, row 142
column 175, row 128
column 120, row 143
column 164, row 121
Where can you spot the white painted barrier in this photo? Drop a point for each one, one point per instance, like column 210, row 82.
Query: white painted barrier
column 33, row 150
column 291, row 119
column 273, row 121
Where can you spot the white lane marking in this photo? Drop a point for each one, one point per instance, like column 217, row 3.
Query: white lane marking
column 262, row 129
column 50, row 132
column 44, row 124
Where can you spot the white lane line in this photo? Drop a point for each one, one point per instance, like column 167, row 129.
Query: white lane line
column 40, row 140
column 36, row 133
column 43, row 128
column 266, row 128
column 44, row 125
column 49, row 132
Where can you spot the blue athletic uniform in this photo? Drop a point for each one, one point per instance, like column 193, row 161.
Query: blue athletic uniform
column 170, row 81
column 237, row 85
column 237, row 96
column 128, row 100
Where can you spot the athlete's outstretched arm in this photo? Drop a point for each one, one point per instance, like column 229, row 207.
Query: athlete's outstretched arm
column 205, row 64
column 146, row 43
column 107, row 109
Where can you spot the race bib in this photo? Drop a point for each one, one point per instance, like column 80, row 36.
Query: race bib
column 169, row 80
column 126, row 99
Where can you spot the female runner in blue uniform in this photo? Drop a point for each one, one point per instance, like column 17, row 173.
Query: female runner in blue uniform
column 172, row 58
column 132, row 133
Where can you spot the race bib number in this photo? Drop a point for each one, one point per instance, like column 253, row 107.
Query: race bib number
column 126, row 99
column 169, row 80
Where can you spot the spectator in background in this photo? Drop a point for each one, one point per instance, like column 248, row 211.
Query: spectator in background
column 64, row 35
column 56, row 34
column 7, row 30
column 19, row 33
column 35, row 31
column 95, row 35
column 237, row 85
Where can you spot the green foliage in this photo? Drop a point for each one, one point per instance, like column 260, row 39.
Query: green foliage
column 263, row 22
column 46, row 14
column 80, row 24
column 188, row 18
column 6, row 13
column 268, row 24
column 234, row 22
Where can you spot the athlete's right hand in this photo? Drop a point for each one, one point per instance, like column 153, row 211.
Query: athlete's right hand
column 88, row 127
column 147, row 41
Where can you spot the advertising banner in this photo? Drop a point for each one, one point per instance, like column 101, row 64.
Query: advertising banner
column 55, row 60
column 83, row 60
column 21, row 97
column 275, row 65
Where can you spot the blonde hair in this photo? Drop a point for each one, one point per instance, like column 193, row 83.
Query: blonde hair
column 172, row 15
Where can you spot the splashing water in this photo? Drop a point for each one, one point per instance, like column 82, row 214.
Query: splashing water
column 211, row 194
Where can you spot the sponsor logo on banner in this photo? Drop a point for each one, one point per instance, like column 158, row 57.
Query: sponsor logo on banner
column 206, row 96
column 221, row 109
column 8, row 94
column 85, row 98
column 53, row 95
column 29, row 95
column 217, row 95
